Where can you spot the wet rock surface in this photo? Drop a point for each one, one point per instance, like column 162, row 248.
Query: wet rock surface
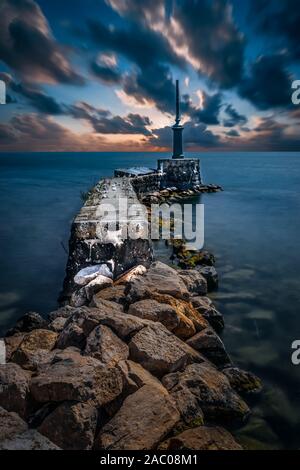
column 135, row 366
column 144, row 419
column 202, row 438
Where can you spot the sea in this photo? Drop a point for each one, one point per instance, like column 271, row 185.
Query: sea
column 253, row 228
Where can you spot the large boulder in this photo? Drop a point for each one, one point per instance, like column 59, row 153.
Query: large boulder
column 161, row 279
column 73, row 377
column 208, row 343
column 190, row 320
column 144, row 419
column 14, row 388
column 205, row 307
column 12, row 343
column 135, row 376
column 194, row 282
column 150, row 309
column 34, row 348
column 11, row 425
column 100, row 282
column 104, row 345
column 244, row 383
column 15, row 435
column 115, row 293
column 132, row 274
column 64, row 312
column 107, row 313
column 29, row 322
column 210, row 274
column 159, row 351
column 218, row 401
column 71, row 426
column 202, row 438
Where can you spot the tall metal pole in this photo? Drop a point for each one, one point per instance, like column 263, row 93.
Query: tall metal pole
column 177, row 103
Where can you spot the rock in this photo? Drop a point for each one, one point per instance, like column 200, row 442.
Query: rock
column 208, row 343
column 202, row 438
column 135, row 376
column 71, row 426
column 14, row 388
column 34, row 347
column 243, row 382
column 187, row 315
column 131, row 275
column 190, row 411
column 14, row 434
column 86, row 275
column 204, row 306
column 144, row 419
column 12, row 343
column 29, row 322
column 191, row 259
column 194, row 282
column 114, row 293
column 29, row 440
column 158, row 312
column 11, row 425
column 160, row 279
column 218, row 401
column 72, row 377
column 57, row 325
column 159, row 351
column 64, row 312
column 71, row 335
column 210, row 274
column 104, row 345
column 109, row 314
column 100, row 282
column 79, row 298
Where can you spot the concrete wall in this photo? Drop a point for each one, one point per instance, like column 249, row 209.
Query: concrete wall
column 88, row 245
column 182, row 173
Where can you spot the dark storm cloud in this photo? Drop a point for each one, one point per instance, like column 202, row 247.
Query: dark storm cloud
column 281, row 20
column 213, row 39
column 130, row 124
column 34, row 96
column 140, row 45
column 28, row 47
column 233, row 117
column 209, row 114
column 153, row 83
column 194, row 135
column 106, row 74
column 268, row 84
column 232, row 133
column 104, row 123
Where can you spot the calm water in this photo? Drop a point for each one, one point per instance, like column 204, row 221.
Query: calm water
column 253, row 228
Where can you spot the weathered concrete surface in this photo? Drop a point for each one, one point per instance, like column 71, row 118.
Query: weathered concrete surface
column 96, row 237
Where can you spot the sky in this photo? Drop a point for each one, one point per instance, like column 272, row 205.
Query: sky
column 99, row 75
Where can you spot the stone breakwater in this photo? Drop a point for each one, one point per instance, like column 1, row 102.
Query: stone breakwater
column 132, row 360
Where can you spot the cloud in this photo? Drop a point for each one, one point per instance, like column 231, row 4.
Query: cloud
column 269, row 135
column 28, row 47
column 268, row 84
column 232, row 133
column 280, row 19
column 108, row 75
column 106, row 70
column 210, row 109
column 214, row 43
column 138, row 44
column 233, row 117
column 195, row 136
column 104, row 122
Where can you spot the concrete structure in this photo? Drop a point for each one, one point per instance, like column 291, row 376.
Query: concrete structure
column 97, row 237
column 178, row 171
